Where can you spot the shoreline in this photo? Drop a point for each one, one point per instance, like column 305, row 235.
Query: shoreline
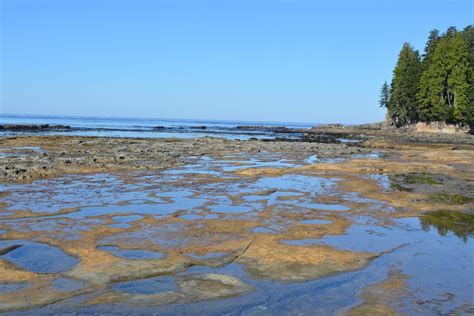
column 49, row 156
column 44, row 156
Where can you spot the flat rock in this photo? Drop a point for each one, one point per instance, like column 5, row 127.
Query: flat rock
column 211, row 286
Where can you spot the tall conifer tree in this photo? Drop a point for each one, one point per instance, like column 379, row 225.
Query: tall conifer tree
column 402, row 107
column 444, row 85
column 468, row 35
column 430, row 47
column 384, row 95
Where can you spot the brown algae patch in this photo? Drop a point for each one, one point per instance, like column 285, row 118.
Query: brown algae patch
column 114, row 297
column 267, row 258
column 11, row 274
column 378, row 298
column 407, row 170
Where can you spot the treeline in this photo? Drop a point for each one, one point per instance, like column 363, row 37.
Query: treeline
column 437, row 86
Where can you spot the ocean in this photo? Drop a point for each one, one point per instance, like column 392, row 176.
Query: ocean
column 154, row 127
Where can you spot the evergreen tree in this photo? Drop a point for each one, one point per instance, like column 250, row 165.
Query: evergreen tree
column 468, row 34
column 384, row 95
column 402, row 106
column 444, row 85
column 433, row 39
column 450, row 32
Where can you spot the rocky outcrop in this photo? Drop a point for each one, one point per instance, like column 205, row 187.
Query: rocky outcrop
column 423, row 133
column 441, row 127
column 27, row 158
column 274, row 129
column 32, row 127
column 320, row 138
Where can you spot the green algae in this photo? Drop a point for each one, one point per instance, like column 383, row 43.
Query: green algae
column 446, row 198
column 404, row 182
column 399, row 187
column 420, row 178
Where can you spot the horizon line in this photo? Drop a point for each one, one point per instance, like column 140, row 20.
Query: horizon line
column 153, row 118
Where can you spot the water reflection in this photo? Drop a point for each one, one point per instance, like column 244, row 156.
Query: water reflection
column 462, row 225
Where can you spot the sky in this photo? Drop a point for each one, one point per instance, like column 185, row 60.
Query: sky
column 260, row 60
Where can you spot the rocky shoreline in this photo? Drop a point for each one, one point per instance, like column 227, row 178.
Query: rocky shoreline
column 27, row 158
column 377, row 131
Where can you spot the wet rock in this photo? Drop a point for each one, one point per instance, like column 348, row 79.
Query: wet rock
column 268, row 259
column 114, row 297
column 64, row 156
column 321, row 138
column 5, row 250
column 274, row 129
column 212, row 286
column 377, row 298
column 133, row 254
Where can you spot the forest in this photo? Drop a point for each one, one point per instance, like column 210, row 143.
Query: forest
column 436, row 86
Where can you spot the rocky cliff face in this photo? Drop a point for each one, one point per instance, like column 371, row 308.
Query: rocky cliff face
column 441, row 127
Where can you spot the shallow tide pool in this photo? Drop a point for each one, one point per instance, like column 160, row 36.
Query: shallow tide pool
column 191, row 240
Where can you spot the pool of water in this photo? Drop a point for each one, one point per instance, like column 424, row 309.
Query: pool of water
column 67, row 285
column 148, row 286
column 13, row 287
column 37, row 257
column 127, row 218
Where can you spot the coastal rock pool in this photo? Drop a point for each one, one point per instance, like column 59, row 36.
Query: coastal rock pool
column 36, row 257
column 270, row 234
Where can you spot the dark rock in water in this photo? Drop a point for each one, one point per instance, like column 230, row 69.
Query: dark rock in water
column 329, row 126
column 4, row 251
column 255, row 128
column 33, row 127
column 273, row 129
column 198, row 127
column 321, row 138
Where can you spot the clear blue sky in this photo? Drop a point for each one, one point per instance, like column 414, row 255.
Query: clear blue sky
column 298, row 61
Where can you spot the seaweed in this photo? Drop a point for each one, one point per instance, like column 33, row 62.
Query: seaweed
column 446, row 198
